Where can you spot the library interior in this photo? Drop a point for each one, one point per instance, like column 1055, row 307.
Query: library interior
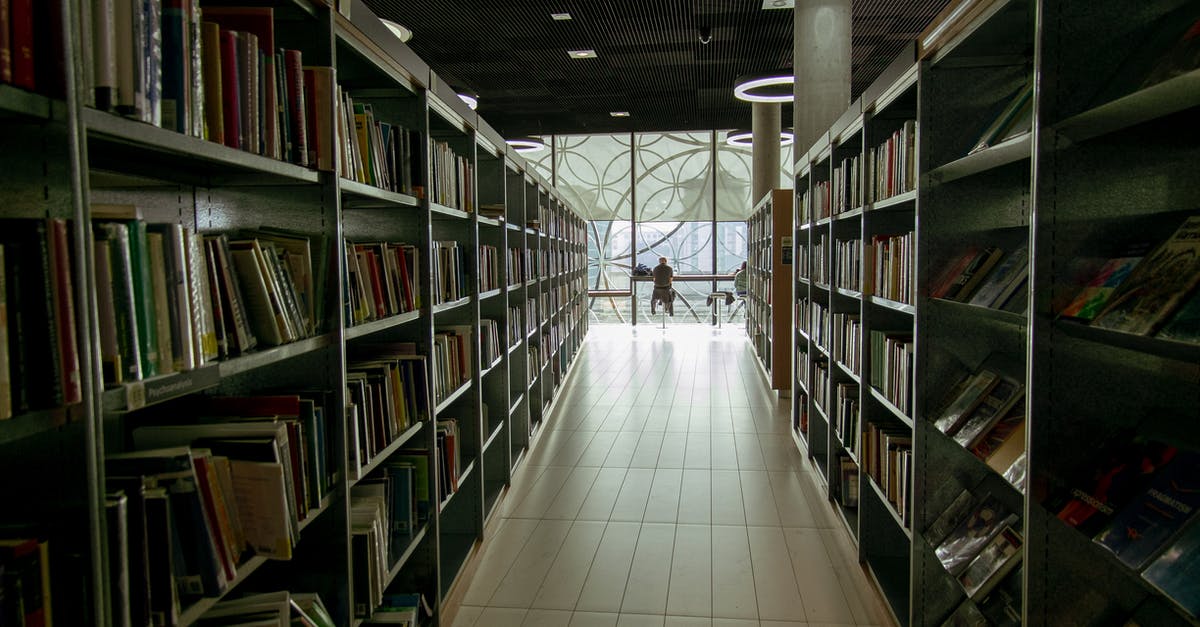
column 341, row 313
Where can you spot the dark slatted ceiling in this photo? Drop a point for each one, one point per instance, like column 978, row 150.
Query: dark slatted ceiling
column 651, row 63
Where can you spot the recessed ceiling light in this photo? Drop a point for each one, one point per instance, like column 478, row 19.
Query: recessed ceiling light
column 560, row 17
column 471, row 101
column 619, row 114
column 582, row 54
column 779, row 4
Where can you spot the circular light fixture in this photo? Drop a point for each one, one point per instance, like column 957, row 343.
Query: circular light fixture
column 745, row 139
column 526, row 145
column 401, row 33
column 471, row 101
column 771, row 87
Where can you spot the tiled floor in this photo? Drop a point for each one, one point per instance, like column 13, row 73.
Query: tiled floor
column 667, row 493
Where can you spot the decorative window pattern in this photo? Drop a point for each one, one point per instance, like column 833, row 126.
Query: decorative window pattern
column 610, row 245
column 674, row 177
column 688, row 247
column 593, row 175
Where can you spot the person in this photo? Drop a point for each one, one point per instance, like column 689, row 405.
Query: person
column 663, row 292
column 739, row 280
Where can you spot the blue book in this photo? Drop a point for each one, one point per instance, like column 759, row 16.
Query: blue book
column 1177, row 570
column 403, row 514
column 1145, row 525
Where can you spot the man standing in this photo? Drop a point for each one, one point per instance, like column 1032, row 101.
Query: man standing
column 662, row 287
column 739, row 280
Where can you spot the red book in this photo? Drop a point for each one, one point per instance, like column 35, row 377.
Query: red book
column 294, row 71
column 222, row 543
column 375, row 271
column 230, row 88
column 5, row 45
column 260, row 22
column 64, row 305
column 21, row 41
column 23, row 559
column 405, row 286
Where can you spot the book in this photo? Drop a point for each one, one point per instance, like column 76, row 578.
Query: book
column 25, row 565
column 22, row 39
column 1008, row 120
column 975, row 390
column 1149, row 521
column 1091, row 299
column 1005, row 279
column 972, row 534
column 1004, row 442
column 1125, row 472
column 967, row 614
column 211, row 78
column 5, row 43
column 949, row 518
column 259, row 22
column 1177, row 569
column 1002, row 397
column 973, row 275
column 993, row 563
column 1158, row 286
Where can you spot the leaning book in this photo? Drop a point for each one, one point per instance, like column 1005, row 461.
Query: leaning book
column 1158, row 286
column 1177, row 570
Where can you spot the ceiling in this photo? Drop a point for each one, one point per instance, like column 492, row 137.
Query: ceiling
column 650, row 62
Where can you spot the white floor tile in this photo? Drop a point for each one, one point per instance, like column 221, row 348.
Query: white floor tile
column 640, row 620
column 572, row 494
column 758, row 498
column 823, row 598
column 631, row 501
column 521, row 583
column 774, row 582
column 467, row 616
column 603, row 494
column 547, row 618
column 543, row 492
column 646, row 455
column 504, row 549
column 622, row 450
column 501, row 617
column 733, row 593
column 690, row 592
column 727, row 506
column 695, row 497
column 650, row 572
column 699, row 450
column 604, row 587
column 688, row 621
column 564, row 581
column 597, row 449
column 663, row 504
column 593, row 619
column 673, row 451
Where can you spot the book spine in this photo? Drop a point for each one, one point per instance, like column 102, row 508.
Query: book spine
column 180, row 298
column 221, row 322
column 196, row 103
column 152, row 57
column 6, row 75
column 104, row 54
column 230, row 87
column 248, row 61
column 65, row 314
column 48, row 384
column 296, row 107
column 128, row 341
column 236, row 302
column 175, row 56
column 21, row 42
column 143, row 295
column 162, row 300
column 212, row 67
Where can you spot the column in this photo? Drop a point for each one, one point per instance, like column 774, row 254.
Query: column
column 821, row 58
column 764, row 156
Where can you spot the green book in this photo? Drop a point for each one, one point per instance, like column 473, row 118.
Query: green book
column 143, row 297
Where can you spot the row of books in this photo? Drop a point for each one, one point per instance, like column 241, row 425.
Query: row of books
column 846, row 421
column 887, row 459
column 891, row 264
column 986, row 277
column 1148, row 294
column 171, row 299
column 531, row 315
column 383, row 154
column 453, row 182
column 489, row 269
column 985, row 413
column 845, row 489
column 849, row 264
column 892, row 355
column 449, row 272
column 39, row 355
column 819, row 385
column 515, row 334
column 490, row 342
column 381, row 280
column 388, row 394
column 533, row 367
column 516, row 267
column 847, row 341
column 194, row 501
column 803, row 261
column 269, row 608
column 820, row 261
column 25, row 597
column 449, row 457
column 452, row 361
column 817, row 204
column 979, row 543
column 819, row 323
column 846, row 185
column 19, row 45
column 892, row 165
column 213, row 73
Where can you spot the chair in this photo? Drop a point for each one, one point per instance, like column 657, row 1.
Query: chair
column 715, row 300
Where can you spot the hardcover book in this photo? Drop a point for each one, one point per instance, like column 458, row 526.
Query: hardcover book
column 975, row 390
column 1124, row 475
column 1095, row 294
column 1185, row 326
column 1003, row 396
column 992, row 564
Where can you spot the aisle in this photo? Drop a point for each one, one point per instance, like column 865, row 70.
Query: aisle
column 667, row 493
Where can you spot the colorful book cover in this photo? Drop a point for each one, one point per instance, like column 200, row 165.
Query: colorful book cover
column 1185, row 326
column 975, row 390
column 973, row 534
column 995, row 561
column 1122, row 477
column 1158, row 286
column 1149, row 521
column 1095, row 294
column 996, row 404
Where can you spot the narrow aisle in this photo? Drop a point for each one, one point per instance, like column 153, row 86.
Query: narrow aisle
column 667, row 493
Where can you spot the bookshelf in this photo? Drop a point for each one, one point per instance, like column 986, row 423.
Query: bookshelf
column 768, row 286
column 1098, row 173
column 443, row 176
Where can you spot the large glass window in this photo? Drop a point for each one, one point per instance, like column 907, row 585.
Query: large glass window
column 543, row 160
column 688, row 247
column 593, row 175
column 735, row 178
column 610, row 246
column 674, row 177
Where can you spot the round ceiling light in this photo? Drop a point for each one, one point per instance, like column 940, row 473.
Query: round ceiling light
column 471, row 101
column 771, row 87
column 527, row 145
column 401, row 33
column 745, row 139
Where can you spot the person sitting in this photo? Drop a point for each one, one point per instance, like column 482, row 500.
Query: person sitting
column 739, row 280
column 663, row 292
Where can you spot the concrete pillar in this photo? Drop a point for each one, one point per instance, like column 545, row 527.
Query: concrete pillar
column 764, row 155
column 821, row 58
